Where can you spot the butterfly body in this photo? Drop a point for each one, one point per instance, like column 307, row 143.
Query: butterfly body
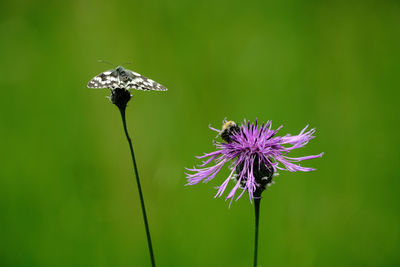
column 124, row 78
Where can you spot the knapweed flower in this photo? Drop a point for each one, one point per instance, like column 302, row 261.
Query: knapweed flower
column 254, row 154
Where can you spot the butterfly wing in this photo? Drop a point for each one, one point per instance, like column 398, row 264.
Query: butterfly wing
column 140, row 82
column 107, row 79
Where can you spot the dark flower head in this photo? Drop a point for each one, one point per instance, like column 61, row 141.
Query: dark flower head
column 254, row 155
column 120, row 97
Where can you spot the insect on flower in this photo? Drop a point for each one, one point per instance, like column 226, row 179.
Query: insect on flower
column 125, row 79
column 254, row 153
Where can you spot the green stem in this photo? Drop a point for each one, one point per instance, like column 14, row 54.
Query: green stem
column 146, row 224
column 257, row 216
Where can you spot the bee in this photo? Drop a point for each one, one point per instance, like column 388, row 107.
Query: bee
column 228, row 129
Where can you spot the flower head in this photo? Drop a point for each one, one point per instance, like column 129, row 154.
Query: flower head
column 120, row 97
column 254, row 154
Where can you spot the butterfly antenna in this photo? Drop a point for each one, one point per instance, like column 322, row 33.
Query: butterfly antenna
column 103, row 61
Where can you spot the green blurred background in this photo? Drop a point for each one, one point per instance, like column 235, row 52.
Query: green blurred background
column 67, row 190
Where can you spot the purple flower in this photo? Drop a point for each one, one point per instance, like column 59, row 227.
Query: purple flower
column 254, row 155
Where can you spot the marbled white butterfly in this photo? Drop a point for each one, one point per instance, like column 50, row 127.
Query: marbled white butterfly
column 123, row 78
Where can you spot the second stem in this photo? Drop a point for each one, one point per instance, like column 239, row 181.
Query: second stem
column 257, row 217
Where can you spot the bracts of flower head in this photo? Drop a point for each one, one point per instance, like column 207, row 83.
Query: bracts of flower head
column 120, row 97
column 254, row 155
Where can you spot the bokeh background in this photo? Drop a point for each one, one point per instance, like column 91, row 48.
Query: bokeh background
column 67, row 191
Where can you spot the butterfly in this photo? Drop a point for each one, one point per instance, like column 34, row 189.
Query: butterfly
column 123, row 78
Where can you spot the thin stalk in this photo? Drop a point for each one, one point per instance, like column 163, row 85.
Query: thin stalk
column 257, row 217
column 146, row 224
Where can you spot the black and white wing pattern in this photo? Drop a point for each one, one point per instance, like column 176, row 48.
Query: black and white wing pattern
column 123, row 78
column 107, row 79
column 140, row 82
